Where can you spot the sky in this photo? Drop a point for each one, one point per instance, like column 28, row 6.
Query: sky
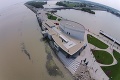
column 7, row 3
column 112, row 3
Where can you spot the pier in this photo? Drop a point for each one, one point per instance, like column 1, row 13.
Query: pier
column 109, row 37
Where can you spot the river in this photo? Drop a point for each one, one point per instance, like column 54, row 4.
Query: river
column 20, row 34
column 102, row 20
column 22, row 53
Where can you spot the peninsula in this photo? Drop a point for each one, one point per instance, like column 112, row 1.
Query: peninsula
column 85, row 54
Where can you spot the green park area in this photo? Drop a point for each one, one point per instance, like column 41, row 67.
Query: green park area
column 51, row 17
column 96, row 42
column 113, row 72
column 103, row 57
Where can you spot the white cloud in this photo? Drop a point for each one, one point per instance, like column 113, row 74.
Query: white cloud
column 112, row 3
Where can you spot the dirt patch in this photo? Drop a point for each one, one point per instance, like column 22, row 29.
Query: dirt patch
column 51, row 66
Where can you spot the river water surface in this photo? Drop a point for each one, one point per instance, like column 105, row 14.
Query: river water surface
column 102, row 20
column 22, row 54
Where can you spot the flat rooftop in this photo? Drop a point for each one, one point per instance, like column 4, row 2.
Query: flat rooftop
column 70, row 47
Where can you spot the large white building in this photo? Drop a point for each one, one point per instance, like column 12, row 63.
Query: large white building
column 67, row 37
column 74, row 29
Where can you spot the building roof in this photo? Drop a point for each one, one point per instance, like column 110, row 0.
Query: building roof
column 70, row 49
column 72, row 25
column 50, row 24
column 69, row 45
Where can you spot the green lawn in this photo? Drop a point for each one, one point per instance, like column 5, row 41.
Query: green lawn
column 59, row 19
column 96, row 42
column 70, row 4
column 103, row 57
column 50, row 16
column 113, row 71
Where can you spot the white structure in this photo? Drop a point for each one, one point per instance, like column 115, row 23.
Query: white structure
column 73, row 29
column 69, row 43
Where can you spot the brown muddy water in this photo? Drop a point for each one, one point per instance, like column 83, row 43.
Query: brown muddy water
column 22, row 53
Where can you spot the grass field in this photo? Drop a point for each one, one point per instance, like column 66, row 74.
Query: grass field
column 96, row 42
column 113, row 72
column 70, row 4
column 59, row 19
column 50, row 16
column 103, row 57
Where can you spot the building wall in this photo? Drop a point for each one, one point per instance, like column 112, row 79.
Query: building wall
column 73, row 33
column 50, row 37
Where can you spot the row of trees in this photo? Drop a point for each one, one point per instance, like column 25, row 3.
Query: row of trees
column 67, row 2
column 76, row 5
column 88, row 10
column 36, row 4
column 61, row 4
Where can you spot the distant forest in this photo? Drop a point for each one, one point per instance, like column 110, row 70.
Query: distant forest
column 61, row 4
column 36, row 4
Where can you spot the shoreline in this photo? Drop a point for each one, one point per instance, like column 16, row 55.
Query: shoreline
column 54, row 53
column 62, row 60
column 107, row 41
column 19, row 25
column 92, row 34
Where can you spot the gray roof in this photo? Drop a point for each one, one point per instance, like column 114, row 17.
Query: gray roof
column 72, row 25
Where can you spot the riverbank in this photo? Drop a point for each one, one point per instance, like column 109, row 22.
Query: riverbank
column 106, row 40
column 97, row 72
column 109, row 49
column 73, row 64
column 109, row 69
column 76, row 5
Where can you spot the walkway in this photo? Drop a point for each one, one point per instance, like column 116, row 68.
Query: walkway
column 108, row 50
column 94, row 68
